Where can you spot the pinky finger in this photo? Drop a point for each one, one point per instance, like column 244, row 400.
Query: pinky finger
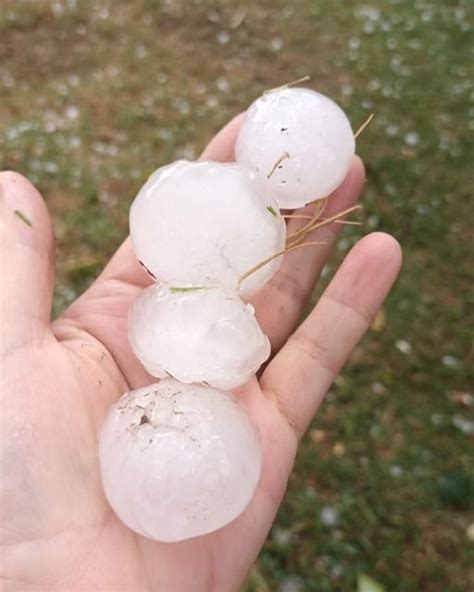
column 301, row 373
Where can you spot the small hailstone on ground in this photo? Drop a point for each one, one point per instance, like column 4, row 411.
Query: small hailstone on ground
column 178, row 461
column 194, row 220
column 298, row 143
column 329, row 516
column 197, row 333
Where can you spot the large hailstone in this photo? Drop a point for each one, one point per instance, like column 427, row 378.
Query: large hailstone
column 178, row 461
column 196, row 333
column 195, row 220
column 298, row 143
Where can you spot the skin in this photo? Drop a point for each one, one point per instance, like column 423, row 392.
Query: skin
column 58, row 379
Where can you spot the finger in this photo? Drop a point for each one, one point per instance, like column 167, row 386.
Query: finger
column 280, row 304
column 124, row 266
column 221, row 147
column 302, row 372
column 26, row 262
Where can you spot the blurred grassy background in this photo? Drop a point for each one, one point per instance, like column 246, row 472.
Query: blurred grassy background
column 97, row 94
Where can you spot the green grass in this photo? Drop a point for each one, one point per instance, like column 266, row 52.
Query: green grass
column 114, row 89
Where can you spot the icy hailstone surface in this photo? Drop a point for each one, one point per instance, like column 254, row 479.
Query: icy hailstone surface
column 178, row 460
column 194, row 220
column 197, row 335
column 308, row 132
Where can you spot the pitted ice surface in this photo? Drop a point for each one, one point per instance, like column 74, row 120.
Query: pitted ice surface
column 178, row 461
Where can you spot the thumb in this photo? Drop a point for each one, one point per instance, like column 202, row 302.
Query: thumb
column 26, row 263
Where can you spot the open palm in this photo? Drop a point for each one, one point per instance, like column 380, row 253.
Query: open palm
column 58, row 379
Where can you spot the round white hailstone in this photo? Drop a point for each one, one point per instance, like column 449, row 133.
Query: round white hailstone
column 197, row 334
column 298, row 143
column 194, row 220
column 177, row 460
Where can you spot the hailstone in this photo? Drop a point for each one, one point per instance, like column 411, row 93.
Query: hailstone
column 178, row 461
column 195, row 220
column 298, row 143
column 197, row 333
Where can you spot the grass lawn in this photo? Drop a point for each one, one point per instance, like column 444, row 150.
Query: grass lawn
column 94, row 95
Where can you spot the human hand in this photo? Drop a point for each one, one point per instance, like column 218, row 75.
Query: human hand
column 58, row 380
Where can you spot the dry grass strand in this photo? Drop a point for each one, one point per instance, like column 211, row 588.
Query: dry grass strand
column 364, row 125
column 283, row 157
column 268, row 259
column 288, row 84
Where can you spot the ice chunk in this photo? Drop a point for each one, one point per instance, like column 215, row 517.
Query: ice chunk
column 197, row 333
column 298, row 143
column 177, row 460
column 195, row 220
